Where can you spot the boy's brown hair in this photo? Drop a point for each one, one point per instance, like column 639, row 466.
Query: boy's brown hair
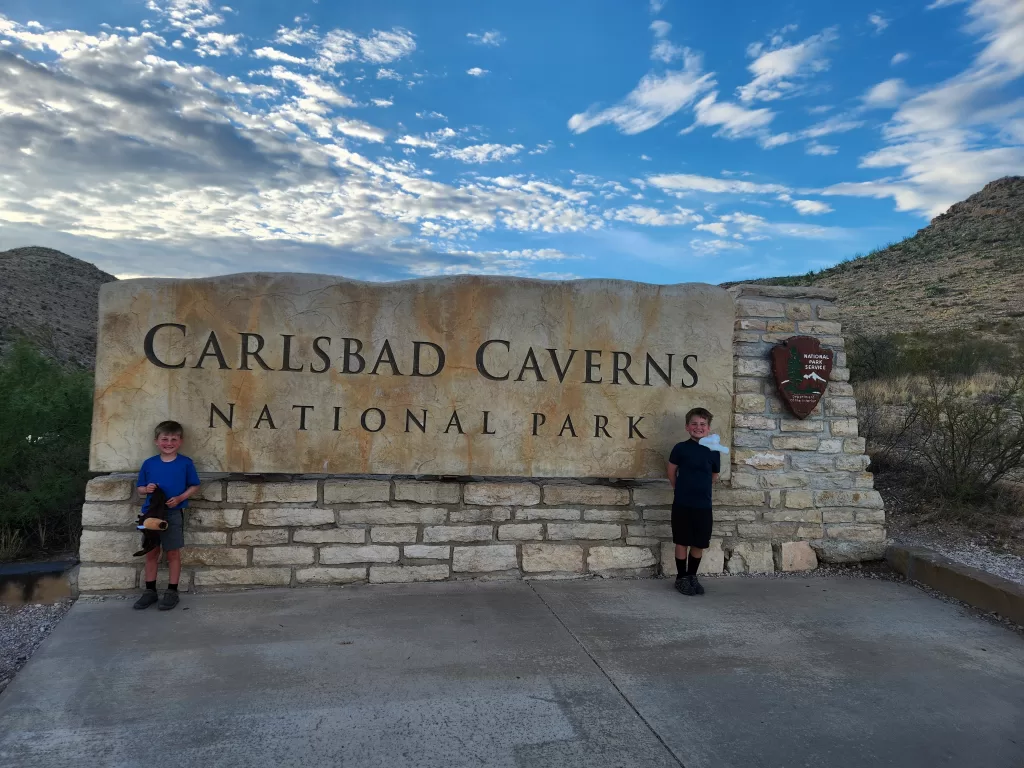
column 168, row 428
column 704, row 413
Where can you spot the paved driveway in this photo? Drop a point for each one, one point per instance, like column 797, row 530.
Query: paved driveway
column 759, row 672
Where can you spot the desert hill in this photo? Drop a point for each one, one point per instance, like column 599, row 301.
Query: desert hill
column 51, row 299
column 964, row 271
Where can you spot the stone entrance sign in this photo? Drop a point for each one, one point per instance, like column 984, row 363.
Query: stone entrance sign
column 286, row 373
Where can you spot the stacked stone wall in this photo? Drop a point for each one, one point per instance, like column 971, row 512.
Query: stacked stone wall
column 797, row 489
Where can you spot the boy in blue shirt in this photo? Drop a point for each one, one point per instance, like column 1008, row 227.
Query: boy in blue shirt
column 692, row 469
column 176, row 476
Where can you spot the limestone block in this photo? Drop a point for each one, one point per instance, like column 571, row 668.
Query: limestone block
column 855, row 445
column 480, row 515
column 393, row 534
column 98, row 578
column 799, row 499
column 584, row 531
column 838, row 515
column 820, row 328
column 404, row 574
column 211, row 490
column 830, row 446
column 750, row 439
column 869, row 499
column 436, row 533
column 585, row 494
column 214, row 556
column 731, row 497
column 319, row 575
column 356, row 491
column 828, row 312
column 749, row 421
column 263, row 538
column 751, row 367
column 109, row 546
column 806, row 425
column 423, row 492
column 791, row 556
column 810, row 531
column 109, row 515
column 792, row 516
column 521, row 531
column 517, row 494
column 340, row 554
column 837, row 551
column 206, row 538
column 750, row 324
column 841, row 406
column 855, row 532
column 843, row 427
column 213, row 518
column 753, row 530
column 657, row 515
column 398, row 515
column 653, row 496
column 749, row 403
column 812, row 462
column 110, row 488
column 760, row 459
column 755, row 308
column 610, row 515
column 781, row 326
column 795, row 443
column 243, row 577
column 547, row 513
column 260, row 493
column 539, row 558
column 742, row 337
column 493, row 557
column 770, row 480
column 618, row 558
column 295, row 555
column 288, row 516
column 747, row 384
column 775, row 499
column 841, row 388
column 864, row 480
column 876, row 516
column 650, row 530
column 751, row 557
column 734, row 515
column 643, row 541
column 427, row 552
column 839, row 374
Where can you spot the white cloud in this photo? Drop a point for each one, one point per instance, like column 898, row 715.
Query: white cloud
column 645, row 157
column 733, row 120
column 275, row 55
column 664, row 50
column 685, row 182
column 899, row 58
column 778, row 69
column 416, row 141
column 380, row 47
column 655, row 98
column 218, row 44
column 715, row 228
column 887, row 93
column 652, row 217
column 823, row 150
column 480, row 153
column 657, row 5
column 878, row 21
column 493, row 37
column 431, row 116
column 296, row 36
column 711, row 247
column 477, row 72
column 388, row 74
column 312, row 87
column 382, row 102
column 360, row 130
column 811, row 207
column 189, row 16
column 541, row 149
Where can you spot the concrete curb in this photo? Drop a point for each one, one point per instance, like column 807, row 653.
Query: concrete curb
column 971, row 585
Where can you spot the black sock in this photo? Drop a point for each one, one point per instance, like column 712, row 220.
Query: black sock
column 151, row 585
column 172, row 587
column 692, row 564
column 680, row 567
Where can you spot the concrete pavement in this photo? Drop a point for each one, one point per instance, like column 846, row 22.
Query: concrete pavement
column 759, row 672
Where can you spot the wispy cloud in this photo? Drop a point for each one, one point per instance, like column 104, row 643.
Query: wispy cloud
column 480, row 153
column 878, row 21
column 899, row 58
column 477, row 72
column 492, row 37
column 780, row 68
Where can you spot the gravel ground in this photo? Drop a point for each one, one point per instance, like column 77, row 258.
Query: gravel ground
column 970, row 553
column 21, row 632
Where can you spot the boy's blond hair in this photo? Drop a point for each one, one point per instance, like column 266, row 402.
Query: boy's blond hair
column 168, row 428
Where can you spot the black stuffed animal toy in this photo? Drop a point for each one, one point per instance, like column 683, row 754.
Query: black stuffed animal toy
column 152, row 522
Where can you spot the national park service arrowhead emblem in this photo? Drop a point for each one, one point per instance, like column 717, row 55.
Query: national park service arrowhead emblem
column 801, row 369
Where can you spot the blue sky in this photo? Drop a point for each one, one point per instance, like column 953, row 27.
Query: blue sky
column 655, row 140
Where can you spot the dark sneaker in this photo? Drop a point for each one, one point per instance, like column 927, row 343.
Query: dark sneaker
column 168, row 601
column 683, row 585
column 697, row 588
column 146, row 599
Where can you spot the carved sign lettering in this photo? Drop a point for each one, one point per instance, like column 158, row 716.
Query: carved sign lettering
column 801, row 367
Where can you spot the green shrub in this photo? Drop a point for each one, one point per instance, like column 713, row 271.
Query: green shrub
column 952, row 353
column 45, row 421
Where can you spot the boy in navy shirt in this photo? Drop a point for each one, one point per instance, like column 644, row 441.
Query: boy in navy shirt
column 176, row 476
column 692, row 468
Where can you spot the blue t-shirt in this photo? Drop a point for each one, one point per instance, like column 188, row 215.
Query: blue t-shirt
column 172, row 477
column 696, row 464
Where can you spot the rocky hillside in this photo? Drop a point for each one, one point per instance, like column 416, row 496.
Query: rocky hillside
column 52, row 299
column 964, row 271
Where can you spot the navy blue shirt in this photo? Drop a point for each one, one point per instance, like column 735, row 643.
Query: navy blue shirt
column 172, row 477
column 696, row 464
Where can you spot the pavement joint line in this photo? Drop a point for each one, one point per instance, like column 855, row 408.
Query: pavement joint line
column 608, row 677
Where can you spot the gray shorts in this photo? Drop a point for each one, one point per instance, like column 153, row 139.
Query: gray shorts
column 174, row 537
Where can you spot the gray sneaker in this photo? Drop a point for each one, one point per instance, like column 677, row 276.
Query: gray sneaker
column 168, row 601
column 146, row 599
column 684, row 586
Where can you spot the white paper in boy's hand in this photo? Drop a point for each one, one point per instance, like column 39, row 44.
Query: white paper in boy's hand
column 714, row 442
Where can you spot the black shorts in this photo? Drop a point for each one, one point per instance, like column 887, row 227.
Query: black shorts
column 691, row 526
